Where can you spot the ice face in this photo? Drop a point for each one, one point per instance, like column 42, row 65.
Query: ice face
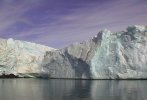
column 21, row 57
column 108, row 55
column 121, row 55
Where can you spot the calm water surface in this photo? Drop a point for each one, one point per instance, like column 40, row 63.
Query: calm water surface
column 53, row 89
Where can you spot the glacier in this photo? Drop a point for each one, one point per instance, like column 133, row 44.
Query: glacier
column 120, row 55
column 21, row 58
column 108, row 55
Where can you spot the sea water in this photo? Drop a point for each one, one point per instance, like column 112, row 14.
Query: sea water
column 61, row 89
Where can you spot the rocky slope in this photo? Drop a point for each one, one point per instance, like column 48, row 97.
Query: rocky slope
column 121, row 55
column 21, row 58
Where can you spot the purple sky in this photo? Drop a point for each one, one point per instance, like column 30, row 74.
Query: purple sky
column 58, row 23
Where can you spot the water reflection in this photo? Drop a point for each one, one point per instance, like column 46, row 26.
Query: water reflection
column 39, row 89
column 119, row 90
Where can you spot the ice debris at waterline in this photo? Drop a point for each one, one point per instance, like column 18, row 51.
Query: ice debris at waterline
column 121, row 55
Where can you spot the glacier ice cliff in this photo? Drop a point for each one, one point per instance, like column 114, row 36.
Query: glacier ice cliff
column 108, row 55
column 121, row 55
column 21, row 58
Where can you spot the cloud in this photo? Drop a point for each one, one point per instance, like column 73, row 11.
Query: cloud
column 59, row 23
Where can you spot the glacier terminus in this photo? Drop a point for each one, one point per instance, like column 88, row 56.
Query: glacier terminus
column 108, row 55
